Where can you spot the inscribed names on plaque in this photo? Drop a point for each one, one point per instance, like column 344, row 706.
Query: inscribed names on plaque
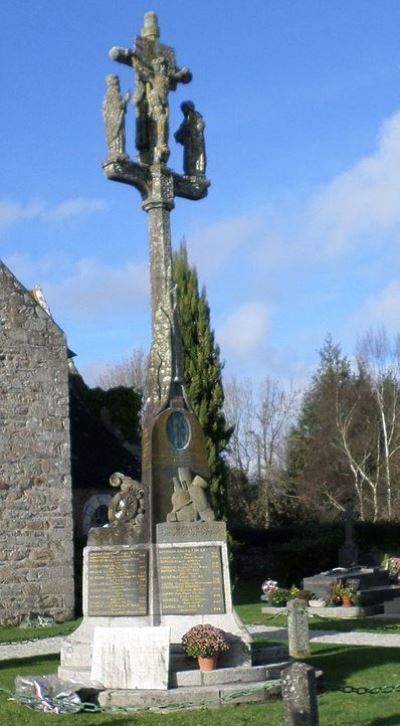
column 191, row 580
column 117, row 582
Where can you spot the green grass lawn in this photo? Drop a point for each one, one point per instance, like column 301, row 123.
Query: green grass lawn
column 12, row 714
column 17, row 634
column 361, row 666
column 342, row 665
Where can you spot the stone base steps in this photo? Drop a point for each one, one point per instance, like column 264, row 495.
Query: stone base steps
column 264, row 654
column 195, row 688
column 193, row 696
column 192, row 688
column 223, row 676
column 378, row 595
column 259, row 654
column 356, row 611
column 392, row 607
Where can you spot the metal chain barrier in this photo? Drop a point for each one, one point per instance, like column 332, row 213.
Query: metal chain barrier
column 35, row 703
column 362, row 690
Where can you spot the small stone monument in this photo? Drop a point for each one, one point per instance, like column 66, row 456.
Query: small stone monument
column 298, row 631
column 162, row 560
column 299, row 694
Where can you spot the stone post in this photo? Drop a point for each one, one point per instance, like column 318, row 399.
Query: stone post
column 299, row 695
column 299, row 641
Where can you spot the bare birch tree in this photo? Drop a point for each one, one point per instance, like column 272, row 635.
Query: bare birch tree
column 369, row 425
column 257, row 449
column 380, row 358
column 130, row 371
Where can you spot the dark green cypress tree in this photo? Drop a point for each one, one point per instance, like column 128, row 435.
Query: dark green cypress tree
column 202, row 369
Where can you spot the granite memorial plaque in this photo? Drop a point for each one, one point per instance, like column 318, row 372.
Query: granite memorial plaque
column 117, row 582
column 191, row 580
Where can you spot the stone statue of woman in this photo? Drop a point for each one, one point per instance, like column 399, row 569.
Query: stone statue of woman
column 114, row 109
column 191, row 135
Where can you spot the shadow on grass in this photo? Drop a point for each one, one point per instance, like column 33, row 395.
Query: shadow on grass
column 340, row 664
column 247, row 592
column 391, row 721
column 35, row 665
column 35, row 661
column 347, row 625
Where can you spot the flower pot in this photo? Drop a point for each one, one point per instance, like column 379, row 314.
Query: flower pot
column 207, row 664
column 346, row 601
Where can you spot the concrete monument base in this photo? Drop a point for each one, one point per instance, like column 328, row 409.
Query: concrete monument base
column 191, row 586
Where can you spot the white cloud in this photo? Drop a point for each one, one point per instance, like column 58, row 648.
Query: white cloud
column 73, row 208
column 363, row 199
column 212, row 246
column 97, row 289
column 244, row 330
column 12, row 213
column 382, row 308
column 30, row 270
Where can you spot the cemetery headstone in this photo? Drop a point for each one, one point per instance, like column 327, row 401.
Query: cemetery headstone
column 298, row 630
column 348, row 553
column 299, row 694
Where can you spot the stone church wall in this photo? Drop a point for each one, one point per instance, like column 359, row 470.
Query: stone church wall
column 36, row 549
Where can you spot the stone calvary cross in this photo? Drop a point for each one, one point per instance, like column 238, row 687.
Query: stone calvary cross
column 166, row 452
column 156, row 75
column 161, row 564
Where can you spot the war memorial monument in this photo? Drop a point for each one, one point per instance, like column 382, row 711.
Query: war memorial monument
column 161, row 564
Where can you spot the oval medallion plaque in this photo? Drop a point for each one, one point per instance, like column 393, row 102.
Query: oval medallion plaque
column 178, row 430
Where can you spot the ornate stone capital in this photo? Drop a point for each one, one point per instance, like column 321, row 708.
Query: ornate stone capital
column 160, row 190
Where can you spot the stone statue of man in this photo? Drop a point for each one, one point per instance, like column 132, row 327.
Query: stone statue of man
column 191, row 135
column 156, row 74
column 114, row 109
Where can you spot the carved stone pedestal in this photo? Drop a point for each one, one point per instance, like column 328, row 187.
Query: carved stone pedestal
column 194, row 585
column 190, row 585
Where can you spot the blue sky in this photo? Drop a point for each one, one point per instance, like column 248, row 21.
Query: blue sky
column 299, row 234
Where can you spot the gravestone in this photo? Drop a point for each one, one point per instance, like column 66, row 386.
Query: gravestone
column 162, row 560
column 298, row 631
column 348, row 553
column 299, row 694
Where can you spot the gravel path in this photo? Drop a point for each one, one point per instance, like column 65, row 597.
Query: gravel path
column 25, row 649
column 50, row 646
column 381, row 640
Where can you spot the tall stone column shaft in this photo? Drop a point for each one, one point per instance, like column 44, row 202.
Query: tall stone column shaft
column 165, row 357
